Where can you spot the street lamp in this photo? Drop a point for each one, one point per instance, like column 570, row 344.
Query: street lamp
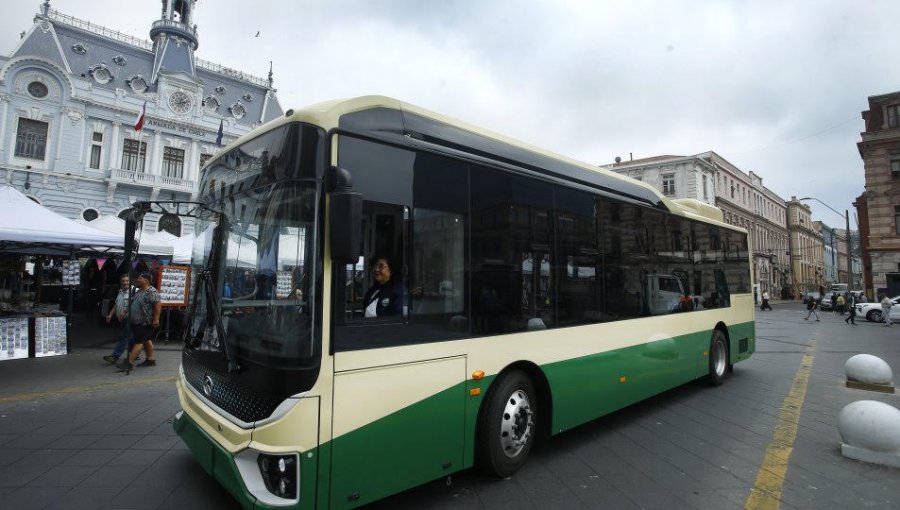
column 849, row 253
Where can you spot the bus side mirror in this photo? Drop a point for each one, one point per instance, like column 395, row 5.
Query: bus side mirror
column 345, row 218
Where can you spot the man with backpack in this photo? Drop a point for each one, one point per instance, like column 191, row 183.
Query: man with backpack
column 811, row 305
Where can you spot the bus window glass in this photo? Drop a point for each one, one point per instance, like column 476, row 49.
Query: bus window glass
column 580, row 294
column 672, row 260
column 265, row 293
column 623, row 250
column 440, row 219
column 371, row 296
column 736, row 262
column 512, row 288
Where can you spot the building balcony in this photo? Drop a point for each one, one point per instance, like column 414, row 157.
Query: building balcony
column 159, row 182
column 176, row 28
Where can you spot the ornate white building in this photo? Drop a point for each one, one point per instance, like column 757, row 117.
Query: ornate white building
column 743, row 198
column 71, row 92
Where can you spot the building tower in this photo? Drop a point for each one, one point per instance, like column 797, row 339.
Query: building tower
column 174, row 39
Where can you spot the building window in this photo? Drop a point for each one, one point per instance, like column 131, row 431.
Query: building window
column 170, row 223
column 897, row 219
column 893, row 114
column 38, row 90
column 173, row 162
column 668, row 184
column 90, row 214
column 134, row 154
column 96, row 147
column 31, row 139
column 895, row 166
column 705, row 188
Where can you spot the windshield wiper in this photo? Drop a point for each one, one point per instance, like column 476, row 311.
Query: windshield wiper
column 204, row 281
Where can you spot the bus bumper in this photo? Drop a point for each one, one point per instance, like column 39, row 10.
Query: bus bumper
column 215, row 460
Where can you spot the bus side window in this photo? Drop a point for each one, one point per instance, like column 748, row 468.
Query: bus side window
column 439, row 308
column 383, row 253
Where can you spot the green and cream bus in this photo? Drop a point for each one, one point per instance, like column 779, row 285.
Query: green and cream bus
column 537, row 292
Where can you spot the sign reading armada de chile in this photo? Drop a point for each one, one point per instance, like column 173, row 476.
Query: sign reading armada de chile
column 178, row 128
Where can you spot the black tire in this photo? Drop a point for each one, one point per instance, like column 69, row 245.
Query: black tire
column 718, row 359
column 874, row 316
column 508, row 425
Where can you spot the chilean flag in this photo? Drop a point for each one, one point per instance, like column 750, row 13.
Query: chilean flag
column 139, row 124
column 220, row 133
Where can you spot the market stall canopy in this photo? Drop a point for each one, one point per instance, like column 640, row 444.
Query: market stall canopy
column 182, row 246
column 148, row 244
column 28, row 227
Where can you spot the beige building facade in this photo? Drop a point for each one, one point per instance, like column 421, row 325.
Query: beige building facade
column 807, row 249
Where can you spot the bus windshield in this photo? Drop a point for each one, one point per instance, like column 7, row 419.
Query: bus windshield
column 257, row 255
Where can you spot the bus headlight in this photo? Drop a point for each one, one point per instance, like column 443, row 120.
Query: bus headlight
column 279, row 473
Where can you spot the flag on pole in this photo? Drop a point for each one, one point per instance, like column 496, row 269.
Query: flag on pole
column 221, row 132
column 139, row 124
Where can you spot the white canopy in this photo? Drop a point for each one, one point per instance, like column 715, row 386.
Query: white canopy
column 181, row 246
column 28, row 227
column 149, row 244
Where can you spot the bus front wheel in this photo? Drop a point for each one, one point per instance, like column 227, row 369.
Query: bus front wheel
column 718, row 359
column 507, row 426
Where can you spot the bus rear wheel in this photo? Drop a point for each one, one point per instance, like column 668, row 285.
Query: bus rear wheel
column 508, row 425
column 718, row 359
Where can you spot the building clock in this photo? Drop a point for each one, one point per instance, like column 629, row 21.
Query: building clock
column 180, row 103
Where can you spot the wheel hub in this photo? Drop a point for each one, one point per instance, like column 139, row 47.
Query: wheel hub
column 517, row 423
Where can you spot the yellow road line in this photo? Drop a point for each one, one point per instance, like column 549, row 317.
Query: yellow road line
column 766, row 493
column 83, row 389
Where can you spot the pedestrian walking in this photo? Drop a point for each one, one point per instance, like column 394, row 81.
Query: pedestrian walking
column 765, row 302
column 834, row 302
column 811, row 305
column 851, row 319
column 145, row 310
column 119, row 311
column 840, row 303
column 886, row 310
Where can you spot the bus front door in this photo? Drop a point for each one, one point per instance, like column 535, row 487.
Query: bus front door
column 395, row 426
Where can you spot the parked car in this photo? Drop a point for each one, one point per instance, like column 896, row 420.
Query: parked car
column 812, row 295
column 825, row 304
column 872, row 311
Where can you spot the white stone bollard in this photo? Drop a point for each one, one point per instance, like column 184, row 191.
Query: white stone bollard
column 867, row 372
column 869, row 369
column 870, row 432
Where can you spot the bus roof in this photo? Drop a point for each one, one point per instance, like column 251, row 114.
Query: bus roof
column 390, row 119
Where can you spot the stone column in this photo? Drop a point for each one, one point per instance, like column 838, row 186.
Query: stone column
column 4, row 110
column 157, row 153
column 193, row 163
column 115, row 153
column 59, row 138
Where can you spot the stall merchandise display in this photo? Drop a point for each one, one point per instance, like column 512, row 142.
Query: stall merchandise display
column 174, row 282
column 283, row 285
column 13, row 338
column 71, row 273
column 49, row 336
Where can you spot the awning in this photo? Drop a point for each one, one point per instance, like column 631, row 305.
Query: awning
column 28, row 227
column 148, row 243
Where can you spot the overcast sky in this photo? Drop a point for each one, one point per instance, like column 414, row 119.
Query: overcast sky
column 774, row 87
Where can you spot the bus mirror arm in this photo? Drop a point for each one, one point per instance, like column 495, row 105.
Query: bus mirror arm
column 345, row 217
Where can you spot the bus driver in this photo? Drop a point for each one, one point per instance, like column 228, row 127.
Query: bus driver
column 385, row 297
